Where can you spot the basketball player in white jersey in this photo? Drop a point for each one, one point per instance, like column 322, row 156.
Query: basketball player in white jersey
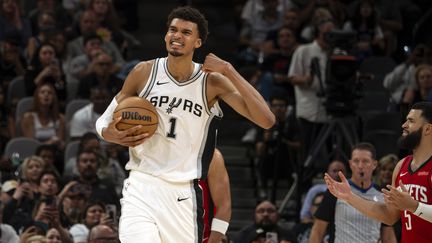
column 162, row 198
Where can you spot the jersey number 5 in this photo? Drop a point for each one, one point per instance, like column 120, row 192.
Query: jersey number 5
column 171, row 133
column 408, row 220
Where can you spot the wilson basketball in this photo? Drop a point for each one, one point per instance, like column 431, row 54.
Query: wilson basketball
column 137, row 111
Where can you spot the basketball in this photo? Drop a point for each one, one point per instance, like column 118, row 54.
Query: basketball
column 137, row 111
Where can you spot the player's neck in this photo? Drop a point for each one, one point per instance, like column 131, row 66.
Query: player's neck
column 181, row 68
column 422, row 153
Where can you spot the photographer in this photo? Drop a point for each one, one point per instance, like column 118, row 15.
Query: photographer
column 310, row 110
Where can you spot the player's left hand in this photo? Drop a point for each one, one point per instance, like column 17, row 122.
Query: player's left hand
column 399, row 198
column 212, row 63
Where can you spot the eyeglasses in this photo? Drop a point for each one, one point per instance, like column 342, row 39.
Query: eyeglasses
column 263, row 210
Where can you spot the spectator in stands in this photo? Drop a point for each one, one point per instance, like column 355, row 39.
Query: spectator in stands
column 103, row 77
column 310, row 110
column 84, row 119
column 290, row 21
column 18, row 211
column 7, row 190
column 45, row 123
column 46, row 22
column 53, row 236
column 72, row 199
column 108, row 21
column 423, row 87
column 88, row 165
column 46, row 216
column 349, row 224
column 94, row 214
column 274, row 146
column 57, row 38
column 254, row 30
column 303, row 229
column 8, row 233
column 370, row 37
column 402, row 78
column 46, row 68
column 48, row 152
column 85, row 64
column 12, row 63
column 87, row 141
column 390, row 21
column 88, row 24
column 273, row 72
column 308, row 33
column 32, row 168
column 101, row 233
column 384, row 170
column 49, row 185
column 11, row 20
column 109, row 169
column 266, row 219
column 333, row 168
column 335, row 8
column 63, row 21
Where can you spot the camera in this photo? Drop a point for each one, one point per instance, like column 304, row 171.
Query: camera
column 343, row 87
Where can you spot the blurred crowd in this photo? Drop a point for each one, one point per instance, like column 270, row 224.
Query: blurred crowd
column 55, row 53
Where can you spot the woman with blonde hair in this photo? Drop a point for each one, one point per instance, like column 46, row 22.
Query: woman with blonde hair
column 384, row 171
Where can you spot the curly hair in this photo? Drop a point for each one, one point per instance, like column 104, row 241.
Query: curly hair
column 193, row 15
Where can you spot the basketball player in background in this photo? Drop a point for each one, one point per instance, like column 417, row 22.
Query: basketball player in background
column 413, row 172
column 161, row 198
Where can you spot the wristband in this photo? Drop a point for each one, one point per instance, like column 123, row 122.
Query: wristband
column 106, row 118
column 424, row 211
column 219, row 226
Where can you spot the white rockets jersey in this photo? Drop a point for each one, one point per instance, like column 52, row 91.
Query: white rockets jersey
column 183, row 144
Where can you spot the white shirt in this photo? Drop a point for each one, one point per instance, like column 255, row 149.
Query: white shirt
column 83, row 121
column 308, row 105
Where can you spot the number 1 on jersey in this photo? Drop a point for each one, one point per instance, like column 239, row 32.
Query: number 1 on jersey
column 171, row 133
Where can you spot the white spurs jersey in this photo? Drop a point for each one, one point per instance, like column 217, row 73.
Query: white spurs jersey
column 182, row 147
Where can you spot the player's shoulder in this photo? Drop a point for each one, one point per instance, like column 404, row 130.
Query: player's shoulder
column 144, row 66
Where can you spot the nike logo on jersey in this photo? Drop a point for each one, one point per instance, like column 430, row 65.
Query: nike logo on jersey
column 182, row 199
column 402, row 174
column 161, row 83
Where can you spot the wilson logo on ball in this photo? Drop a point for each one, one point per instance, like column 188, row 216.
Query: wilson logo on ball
column 135, row 116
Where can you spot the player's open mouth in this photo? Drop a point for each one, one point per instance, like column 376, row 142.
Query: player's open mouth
column 175, row 43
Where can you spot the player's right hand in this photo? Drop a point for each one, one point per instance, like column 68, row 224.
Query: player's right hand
column 341, row 190
column 125, row 137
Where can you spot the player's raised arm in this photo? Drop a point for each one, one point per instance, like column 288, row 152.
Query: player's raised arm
column 377, row 210
column 231, row 87
column 106, row 125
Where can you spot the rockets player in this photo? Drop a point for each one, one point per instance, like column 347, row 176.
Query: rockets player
column 409, row 198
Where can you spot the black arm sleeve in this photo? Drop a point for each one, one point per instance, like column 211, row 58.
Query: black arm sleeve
column 326, row 211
